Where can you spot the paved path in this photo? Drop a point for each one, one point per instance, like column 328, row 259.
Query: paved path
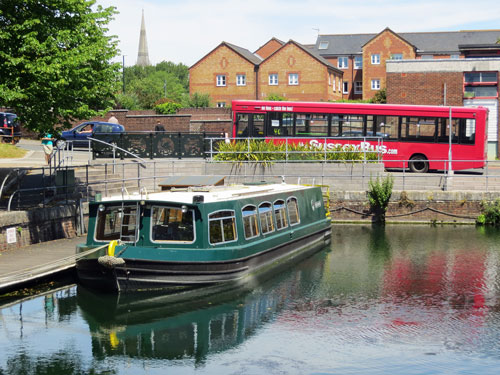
column 20, row 265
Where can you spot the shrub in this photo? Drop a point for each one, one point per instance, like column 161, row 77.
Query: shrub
column 167, row 108
column 379, row 195
column 267, row 152
column 490, row 213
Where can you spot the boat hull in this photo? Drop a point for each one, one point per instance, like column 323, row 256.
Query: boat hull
column 179, row 277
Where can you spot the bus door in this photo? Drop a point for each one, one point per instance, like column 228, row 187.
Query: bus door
column 249, row 125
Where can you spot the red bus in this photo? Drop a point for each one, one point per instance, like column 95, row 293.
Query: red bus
column 407, row 136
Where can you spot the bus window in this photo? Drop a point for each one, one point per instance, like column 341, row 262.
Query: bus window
column 387, row 127
column 467, row 131
column 353, row 126
column 242, row 125
column 414, row 129
column 287, row 124
column 302, row 125
column 280, row 124
column 319, row 125
column 335, row 128
column 443, row 136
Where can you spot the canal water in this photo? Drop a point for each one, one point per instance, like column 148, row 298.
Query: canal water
column 399, row 300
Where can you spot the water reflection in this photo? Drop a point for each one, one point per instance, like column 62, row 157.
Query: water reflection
column 148, row 326
column 395, row 300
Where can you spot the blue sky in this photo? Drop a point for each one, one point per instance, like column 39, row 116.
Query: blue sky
column 183, row 31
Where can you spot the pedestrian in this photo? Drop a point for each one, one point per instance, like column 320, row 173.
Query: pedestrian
column 159, row 127
column 48, row 147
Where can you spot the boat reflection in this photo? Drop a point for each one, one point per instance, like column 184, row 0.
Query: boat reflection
column 148, row 325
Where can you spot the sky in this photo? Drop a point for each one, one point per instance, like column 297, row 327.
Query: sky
column 183, row 31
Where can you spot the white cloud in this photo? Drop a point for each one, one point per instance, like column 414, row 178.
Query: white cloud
column 184, row 31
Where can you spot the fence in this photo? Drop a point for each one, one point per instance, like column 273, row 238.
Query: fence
column 153, row 144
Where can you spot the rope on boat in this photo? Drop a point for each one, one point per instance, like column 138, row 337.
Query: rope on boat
column 405, row 214
column 45, row 268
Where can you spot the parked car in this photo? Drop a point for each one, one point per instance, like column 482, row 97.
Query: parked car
column 80, row 134
column 10, row 130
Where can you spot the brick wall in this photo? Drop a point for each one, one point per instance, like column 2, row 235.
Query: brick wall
column 385, row 44
column 268, row 49
column 313, row 76
column 222, row 61
column 425, row 88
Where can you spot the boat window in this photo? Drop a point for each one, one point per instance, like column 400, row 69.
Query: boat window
column 115, row 222
column 250, row 224
column 266, row 218
column 222, row 227
column 171, row 224
column 280, row 214
column 293, row 210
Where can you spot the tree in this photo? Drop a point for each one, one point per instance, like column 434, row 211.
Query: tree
column 197, row 100
column 55, row 58
column 380, row 97
column 276, row 97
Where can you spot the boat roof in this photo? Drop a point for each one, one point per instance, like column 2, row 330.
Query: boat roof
column 209, row 193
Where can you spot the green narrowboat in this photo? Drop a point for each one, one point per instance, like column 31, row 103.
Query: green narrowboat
column 210, row 236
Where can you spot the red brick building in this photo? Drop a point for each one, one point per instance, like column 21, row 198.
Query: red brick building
column 289, row 69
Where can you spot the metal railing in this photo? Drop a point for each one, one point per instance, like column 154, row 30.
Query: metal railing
column 116, row 177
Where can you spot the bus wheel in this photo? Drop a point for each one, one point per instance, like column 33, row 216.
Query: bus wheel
column 418, row 164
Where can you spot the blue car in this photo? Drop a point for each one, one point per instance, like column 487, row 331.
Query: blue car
column 80, row 134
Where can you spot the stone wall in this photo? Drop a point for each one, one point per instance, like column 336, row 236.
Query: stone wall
column 40, row 225
column 413, row 206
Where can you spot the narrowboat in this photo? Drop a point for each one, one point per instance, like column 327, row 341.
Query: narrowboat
column 199, row 236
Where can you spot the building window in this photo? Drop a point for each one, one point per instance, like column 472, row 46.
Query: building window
column 358, row 87
column 343, row 62
column 481, row 84
column 427, row 57
column 358, row 62
column 241, row 80
column 293, row 79
column 221, row 80
column 340, row 83
column 323, row 45
column 273, row 79
column 345, row 87
column 221, row 104
column 454, row 57
column 376, row 59
column 397, row 56
column 375, row 84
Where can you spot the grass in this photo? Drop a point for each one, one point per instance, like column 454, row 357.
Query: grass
column 11, row 151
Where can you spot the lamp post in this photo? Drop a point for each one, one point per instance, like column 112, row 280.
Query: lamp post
column 123, row 73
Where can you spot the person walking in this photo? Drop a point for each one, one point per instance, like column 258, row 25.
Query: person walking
column 48, row 147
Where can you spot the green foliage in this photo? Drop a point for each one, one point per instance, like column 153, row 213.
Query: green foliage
column 268, row 152
column 353, row 101
column 197, row 100
column 380, row 97
column 55, row 61
column 379, row 195
column 490, row 213
column 148, row 84
column 126, row 101
column 275, row 97
column 167, row 108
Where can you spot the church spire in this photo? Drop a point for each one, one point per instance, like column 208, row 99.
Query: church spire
column 143, row 55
